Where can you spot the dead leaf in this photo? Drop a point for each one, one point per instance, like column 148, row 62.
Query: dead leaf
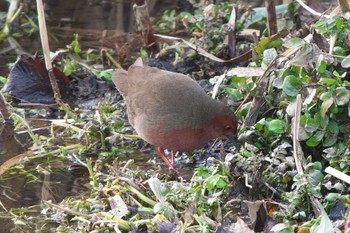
column 257, row 213
column 241, row 226
column 120, row 209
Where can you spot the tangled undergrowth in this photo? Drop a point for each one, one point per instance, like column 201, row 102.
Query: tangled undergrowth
column 260, row 183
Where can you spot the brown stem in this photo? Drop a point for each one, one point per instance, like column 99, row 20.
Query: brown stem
column 271, row 16
column 144, row 22
column 344, row 6
column 232, row 32
column 140, row 2
column 54, row 86
column 3, row 110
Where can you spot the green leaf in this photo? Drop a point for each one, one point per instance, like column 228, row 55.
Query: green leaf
column 245, row 109
column 203, row 172
column 328, row 81
column 325, row 225
column 311, row 125
column 306, row 49
column 303, row 134
column 278, row 82
column 215, row 181
column 3, row 80
column 315, row 140
column 238, row 80
column 334, row 109
column 260, row 124
column 269, row 55
column 339, row 23
column 315, row 177
column 336, row 74
column 325, row 106
column 291, row 85
column 232, row 92
column 322, row 67
column 259, row 14
column 75, row 44
column 291, row 108
column 326, row 95
column 293, row 43
column 106, row 74
column 346, row 62
column 276, row 126
column 342, row 96
column 69, row 67
column 322, row 120
column 333, row 127
column 330, row 140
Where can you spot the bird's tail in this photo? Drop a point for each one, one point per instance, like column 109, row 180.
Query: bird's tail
column 119, row 79
column 138, row 62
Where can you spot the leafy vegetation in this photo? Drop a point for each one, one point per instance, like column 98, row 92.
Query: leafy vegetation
column 122, row 197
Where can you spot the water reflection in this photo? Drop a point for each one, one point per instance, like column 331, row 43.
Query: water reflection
column 27, row 186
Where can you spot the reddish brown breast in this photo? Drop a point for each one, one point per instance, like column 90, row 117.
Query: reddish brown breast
column 188, row 139
column 182, row 140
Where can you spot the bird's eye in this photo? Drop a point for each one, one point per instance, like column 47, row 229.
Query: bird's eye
column 228, row 127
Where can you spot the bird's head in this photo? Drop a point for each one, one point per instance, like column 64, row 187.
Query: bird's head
column 225, row 125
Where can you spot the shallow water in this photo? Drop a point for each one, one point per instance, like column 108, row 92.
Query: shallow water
column 24, row 187
column 27, row 184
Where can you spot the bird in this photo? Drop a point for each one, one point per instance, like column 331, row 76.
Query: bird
column 172, row 111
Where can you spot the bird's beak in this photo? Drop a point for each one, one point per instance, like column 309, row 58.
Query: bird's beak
column 234, row 140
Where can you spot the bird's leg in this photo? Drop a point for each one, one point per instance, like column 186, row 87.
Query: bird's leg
column 165, row 159
column 173, row 158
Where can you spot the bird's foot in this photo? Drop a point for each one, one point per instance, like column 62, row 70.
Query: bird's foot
column 170, row 165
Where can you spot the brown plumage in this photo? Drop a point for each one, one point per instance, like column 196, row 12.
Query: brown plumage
column 170, row 110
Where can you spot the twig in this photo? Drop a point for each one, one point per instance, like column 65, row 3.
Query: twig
column 68, row 211
column 297, row 152
column 12, row 13
column 3, row 109
column 13, row 161
column 141, row 196
column 144, row 22
column 232, row 32
column 30, row 155
column 16, row 46
column 115, row 63
column 271, row 17
column 83, row 64
column 241, row 58
column 2, row 205
column 309, row 9
column 344, row 6
column 120, row 15
column 246, row 182
column 46, row 52
column 46, row 193
column 217, row 85
column 340, row 175
column 46, row 49
column 258, row 99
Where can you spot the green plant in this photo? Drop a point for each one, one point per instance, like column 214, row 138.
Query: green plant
column 209, row 185
column 337, row 26
column 170, row 21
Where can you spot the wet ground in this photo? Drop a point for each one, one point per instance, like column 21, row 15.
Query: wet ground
column 28, row 188
column 30, row 182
